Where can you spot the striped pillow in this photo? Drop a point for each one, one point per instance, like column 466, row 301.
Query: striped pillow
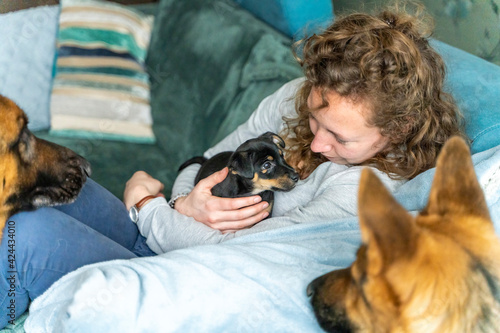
column 101, row 88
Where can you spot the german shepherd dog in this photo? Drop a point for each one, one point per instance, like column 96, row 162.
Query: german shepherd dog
column 436, row 272
column 34, row 172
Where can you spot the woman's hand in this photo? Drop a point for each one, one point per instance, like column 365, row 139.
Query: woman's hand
column 139, row 186
column 224, row 214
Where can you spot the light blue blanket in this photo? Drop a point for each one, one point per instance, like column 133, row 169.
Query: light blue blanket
column 253, row 283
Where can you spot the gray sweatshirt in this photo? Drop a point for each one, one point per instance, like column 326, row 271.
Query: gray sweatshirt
column 329, row 193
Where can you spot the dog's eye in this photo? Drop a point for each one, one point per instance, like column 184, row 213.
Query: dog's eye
column 267, row 165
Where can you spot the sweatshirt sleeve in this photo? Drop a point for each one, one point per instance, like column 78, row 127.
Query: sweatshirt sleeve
column 166, row 229
column 184, row 182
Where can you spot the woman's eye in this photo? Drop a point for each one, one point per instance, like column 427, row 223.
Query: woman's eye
column 339, row 140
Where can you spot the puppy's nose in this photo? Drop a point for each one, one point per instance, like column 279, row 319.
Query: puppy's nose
column 295, row 177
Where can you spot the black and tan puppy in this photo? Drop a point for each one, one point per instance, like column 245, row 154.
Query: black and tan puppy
column 33, row 172
column 256, row 167
column 436, row 272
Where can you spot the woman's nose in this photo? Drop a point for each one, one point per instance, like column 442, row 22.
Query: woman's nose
column 320, row 144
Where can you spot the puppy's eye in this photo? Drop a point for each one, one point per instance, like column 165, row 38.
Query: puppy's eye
column 267, row 165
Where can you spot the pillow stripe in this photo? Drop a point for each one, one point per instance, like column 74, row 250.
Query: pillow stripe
column 83, row 106
column 91, row 62
column 99, row 93
column 98, row 38
column 105, row 70
column 65, row 51
column 127, row 88
column 112, row 79
column 96, row 7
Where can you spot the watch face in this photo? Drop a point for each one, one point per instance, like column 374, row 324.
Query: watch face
column 134, row 214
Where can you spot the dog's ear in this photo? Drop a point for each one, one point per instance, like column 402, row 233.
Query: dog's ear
column 274, row 138
column 455, row 188
column 387, row 229
column 240, row 163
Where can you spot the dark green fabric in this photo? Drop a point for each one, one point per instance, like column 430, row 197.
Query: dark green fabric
column 269, row 66
column 199, row 50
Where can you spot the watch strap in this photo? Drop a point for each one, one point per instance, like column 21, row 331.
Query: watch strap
column 143, row 201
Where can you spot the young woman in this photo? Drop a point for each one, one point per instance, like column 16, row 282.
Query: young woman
column 372, row 96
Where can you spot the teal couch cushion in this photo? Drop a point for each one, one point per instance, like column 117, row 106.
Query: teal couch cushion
column 292, row 17
column 269, row 66
column 475, row 84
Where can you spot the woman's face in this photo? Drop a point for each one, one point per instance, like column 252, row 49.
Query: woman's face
column 341, row 133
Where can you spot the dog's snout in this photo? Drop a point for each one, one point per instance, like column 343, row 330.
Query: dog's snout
column 313, row 285
column 294, row 176
column 310, row 289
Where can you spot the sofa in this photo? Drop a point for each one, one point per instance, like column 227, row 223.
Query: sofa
column 210, row 62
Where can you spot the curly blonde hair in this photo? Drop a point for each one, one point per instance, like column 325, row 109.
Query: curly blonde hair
column 384, row 59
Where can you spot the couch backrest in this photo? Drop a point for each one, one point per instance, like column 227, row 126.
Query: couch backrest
column 475, row 84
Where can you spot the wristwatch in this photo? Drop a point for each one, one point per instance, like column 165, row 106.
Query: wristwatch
column 134, row 210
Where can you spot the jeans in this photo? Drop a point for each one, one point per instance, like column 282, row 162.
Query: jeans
column 49, row 242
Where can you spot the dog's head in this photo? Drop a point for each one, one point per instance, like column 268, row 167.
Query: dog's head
column 261, row 159
column 34, row 172
column 436, row 272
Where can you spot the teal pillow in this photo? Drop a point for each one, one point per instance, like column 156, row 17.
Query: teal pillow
column 292, row 17
column 475, row 85
column 101, row 87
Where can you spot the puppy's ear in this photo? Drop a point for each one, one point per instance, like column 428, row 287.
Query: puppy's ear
column 387, row 228
column 274, row 138
column 455, row 189
column 241, row 164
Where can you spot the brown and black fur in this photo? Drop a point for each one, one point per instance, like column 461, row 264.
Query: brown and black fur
column 436, row 272
column 256, row 167
column 33, row 172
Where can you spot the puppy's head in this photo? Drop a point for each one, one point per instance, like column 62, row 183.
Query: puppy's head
column 261, row 160
column 437, row 272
